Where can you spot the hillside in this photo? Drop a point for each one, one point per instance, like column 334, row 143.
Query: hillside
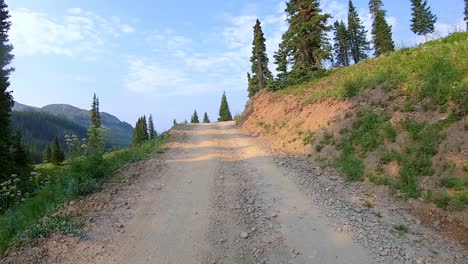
column 398, row 122
column 40, row 128
column 120, row 133
column 40, row 125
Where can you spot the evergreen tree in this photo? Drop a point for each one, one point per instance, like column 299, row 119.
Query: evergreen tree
column 140, row 132
column 466, row 14
column 252, row 85
column 304, row 45
column 206, row 119
column 48, row 153
column 145, row 128
column 422, row 21
column 261, row 73
column 358, row 44
column 20, row 156
column 57, row 154
column 281, row 60
column 340, row 46
column 94, row 112
column 174, row 122
column 375, row 6
column 152, row 131
column 96, row 133
column 381, row 30
column 194, row 118
column 6, row 100
column 224, row 112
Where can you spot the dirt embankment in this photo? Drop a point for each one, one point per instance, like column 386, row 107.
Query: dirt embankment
column 290, row 125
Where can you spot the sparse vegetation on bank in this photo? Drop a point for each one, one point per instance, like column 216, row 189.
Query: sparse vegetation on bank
column 81, row 176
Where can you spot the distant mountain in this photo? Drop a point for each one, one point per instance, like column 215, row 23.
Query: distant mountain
column 61, row 119
column 39, row 129
column 120, row 133
column 25, row 108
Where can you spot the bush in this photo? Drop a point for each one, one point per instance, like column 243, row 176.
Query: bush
column 454, row 183
column 352, row 167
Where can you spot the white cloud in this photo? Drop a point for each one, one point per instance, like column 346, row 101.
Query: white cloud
column 222, row 67
column 146, row 76
column 76, row 32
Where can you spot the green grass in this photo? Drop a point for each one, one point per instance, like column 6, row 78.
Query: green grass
column 401, row 229
column 416, row 159
column 435, row 70
column 308, row 138
column 456, row 200
column 453, row 183
column 81, row 177
column 369, row 130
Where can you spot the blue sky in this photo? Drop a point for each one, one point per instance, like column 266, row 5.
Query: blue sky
column 164, row 58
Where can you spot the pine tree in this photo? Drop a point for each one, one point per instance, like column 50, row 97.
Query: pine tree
column 194, row 119
column 96, row 133
column 252, row 85
column 358, row 44
column 136, row 138
column 305, row 44
column 6, row 100
column 281, row 60
column 206, row 119
column 20, row 155
column 174, row 122
column 340, row 46
column 152, row 132
column 381, row 30
column 140, row 132
column 145, row 128
column 375, row 6
column 57, row 154
column 422, row 21
column 48, row 153
column 466, row 14
column 224, row 112
column 261, row 73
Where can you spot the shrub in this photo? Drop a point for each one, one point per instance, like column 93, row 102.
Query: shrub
column 454, row 183
column 352, row 167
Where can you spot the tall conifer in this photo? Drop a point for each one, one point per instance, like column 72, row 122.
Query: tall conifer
column 206, row 119
column 466, row 14
column 358, row 44
column 305, row 43
column 57, row 154
column 375, row 6
column 6, row 100
column 381, row 30
column 224, row 112
column 260, row 72
column 96, row 133
column 145, row 128
column 194, row 119
column 340, row 46
column 422, row 21
column 152, row 131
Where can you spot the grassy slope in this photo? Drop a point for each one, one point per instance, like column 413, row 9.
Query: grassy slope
column 437, row 70
column 435, row 77
column 80, row 177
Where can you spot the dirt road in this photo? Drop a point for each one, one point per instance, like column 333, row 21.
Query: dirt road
column 223, row 201
column 215, row 197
